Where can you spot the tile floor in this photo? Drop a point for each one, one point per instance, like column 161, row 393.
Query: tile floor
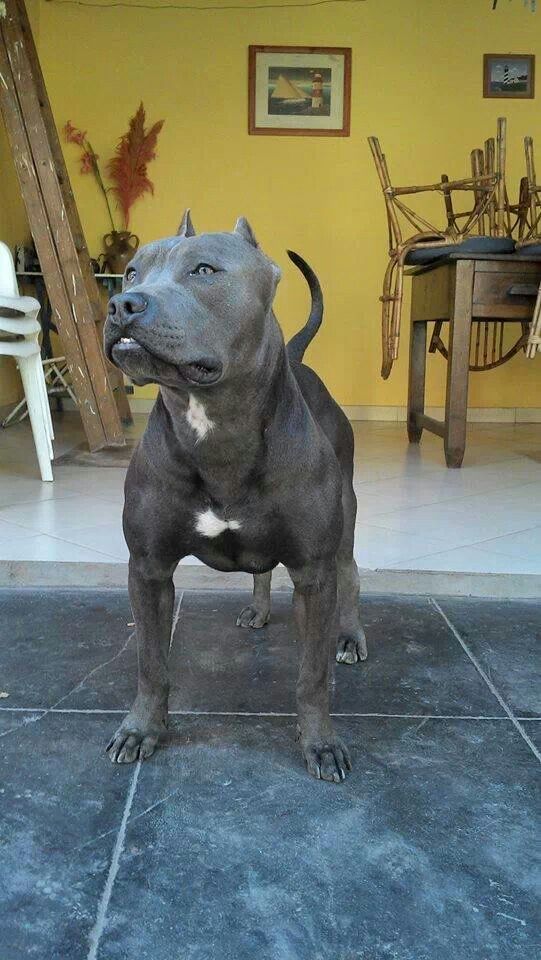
column 221, row 847
column 413, row 513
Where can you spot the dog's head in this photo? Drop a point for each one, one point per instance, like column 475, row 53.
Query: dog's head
column 193, row 309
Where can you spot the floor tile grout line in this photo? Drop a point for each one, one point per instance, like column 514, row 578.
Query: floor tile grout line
column 487, row 680
column 464, row 546
column 175, row 622
column 74, row 543
column 96, row 711
column 45, row 533
column 440, row 501
column 467, row 496
column 101, row 915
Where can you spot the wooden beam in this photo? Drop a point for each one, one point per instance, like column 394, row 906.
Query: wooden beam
column 55, row 225
column 115, row 376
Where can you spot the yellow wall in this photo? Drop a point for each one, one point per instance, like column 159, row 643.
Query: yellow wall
column 13, row 223
column 9, row 382
column 417, row 83
column 13, row 229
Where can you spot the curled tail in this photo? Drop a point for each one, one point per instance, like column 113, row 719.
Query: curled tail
column 298, row 344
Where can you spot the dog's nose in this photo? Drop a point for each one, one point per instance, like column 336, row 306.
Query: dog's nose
column 123, row 306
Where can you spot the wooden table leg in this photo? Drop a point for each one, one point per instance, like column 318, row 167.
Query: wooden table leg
column 416, row 383
column 456, row 404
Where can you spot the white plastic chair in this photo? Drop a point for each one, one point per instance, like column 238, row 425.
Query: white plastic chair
column 19, row 317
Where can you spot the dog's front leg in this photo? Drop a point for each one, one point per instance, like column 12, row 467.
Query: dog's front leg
column 314, row 607
column 152, row 605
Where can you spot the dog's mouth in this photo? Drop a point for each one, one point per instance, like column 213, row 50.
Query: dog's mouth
column 203, row 372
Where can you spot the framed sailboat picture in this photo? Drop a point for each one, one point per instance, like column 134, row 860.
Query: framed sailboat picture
column 299, row 91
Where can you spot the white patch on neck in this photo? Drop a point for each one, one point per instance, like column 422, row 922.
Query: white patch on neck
column 209, row 525
column 197, row 418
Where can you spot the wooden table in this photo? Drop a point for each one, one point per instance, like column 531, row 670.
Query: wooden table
column 459, row 291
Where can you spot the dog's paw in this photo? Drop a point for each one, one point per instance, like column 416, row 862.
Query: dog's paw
column 352, row 648
column 252, row 616
column 327, row 759
column 132, row 742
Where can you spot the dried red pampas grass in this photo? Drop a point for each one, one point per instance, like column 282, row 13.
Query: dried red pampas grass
column 128, row 167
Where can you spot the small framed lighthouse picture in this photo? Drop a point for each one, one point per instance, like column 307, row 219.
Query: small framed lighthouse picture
column 299, row 91
column 509, row 75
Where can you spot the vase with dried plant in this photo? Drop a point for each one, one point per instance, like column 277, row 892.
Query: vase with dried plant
column 127, row 171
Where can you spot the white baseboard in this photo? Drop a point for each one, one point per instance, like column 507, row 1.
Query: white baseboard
column 475, row 414
column 528, row 415
column 395, row 414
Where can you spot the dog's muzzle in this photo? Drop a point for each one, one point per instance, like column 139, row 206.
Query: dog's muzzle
column 127, row 343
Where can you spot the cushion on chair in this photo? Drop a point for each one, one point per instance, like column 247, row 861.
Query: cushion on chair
column 530, row 250
column 422, row 255
column 427, row 254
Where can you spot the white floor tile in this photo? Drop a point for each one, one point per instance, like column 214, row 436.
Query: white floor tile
column 471, row 560
column 376, row 547
column 11, row 533
column 105, row 483
column 106, row 538
column 23, row 489
column 412, row 511
column 525, row 545
column 51, row 549
column 460, row 522
column 55, row 516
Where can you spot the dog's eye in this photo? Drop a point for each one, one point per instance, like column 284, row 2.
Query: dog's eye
column 202, row 270
column 130, row 274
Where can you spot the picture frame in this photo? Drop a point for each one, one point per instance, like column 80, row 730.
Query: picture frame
column 299, row 91
column 509, row 76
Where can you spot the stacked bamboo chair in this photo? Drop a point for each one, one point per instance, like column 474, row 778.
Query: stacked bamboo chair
column 483, row 228
column 528, row 228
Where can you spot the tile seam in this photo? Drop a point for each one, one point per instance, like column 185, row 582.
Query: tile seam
column 97, row 711
column 101, row 914
column 488, row 681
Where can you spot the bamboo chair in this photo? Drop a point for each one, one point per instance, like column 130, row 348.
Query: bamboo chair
column 483, row 229
column 488, row 348
column 520, row 210
column 530, row 221
column 529, row 236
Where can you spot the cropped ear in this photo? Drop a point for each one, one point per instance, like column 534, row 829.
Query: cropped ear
column 186, row 228
column 244, row 230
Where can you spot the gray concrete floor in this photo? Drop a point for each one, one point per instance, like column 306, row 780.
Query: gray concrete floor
column 221, row 847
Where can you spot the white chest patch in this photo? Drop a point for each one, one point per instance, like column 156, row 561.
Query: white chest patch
column 197, row 418
column 209, row 525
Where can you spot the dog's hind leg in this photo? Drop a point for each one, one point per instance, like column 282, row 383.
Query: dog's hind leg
column 257, row 613
column 351, row 645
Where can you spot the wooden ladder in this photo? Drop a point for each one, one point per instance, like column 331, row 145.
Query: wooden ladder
column 56, row 229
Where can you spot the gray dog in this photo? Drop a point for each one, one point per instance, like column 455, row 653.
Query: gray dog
column 246, row 462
